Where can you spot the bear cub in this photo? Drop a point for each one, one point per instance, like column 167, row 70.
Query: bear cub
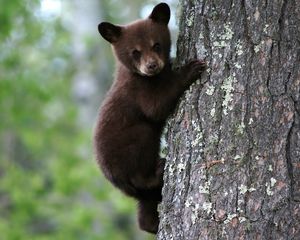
column 144, row 93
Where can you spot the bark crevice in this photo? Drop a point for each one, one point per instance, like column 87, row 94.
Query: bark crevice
column 289, row 160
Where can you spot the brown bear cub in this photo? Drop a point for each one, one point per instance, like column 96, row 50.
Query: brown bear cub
column 145, row 92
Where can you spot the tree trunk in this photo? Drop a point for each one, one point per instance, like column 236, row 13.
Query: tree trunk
column 233, row 164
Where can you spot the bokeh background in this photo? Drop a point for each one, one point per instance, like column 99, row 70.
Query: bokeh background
column 54, row 72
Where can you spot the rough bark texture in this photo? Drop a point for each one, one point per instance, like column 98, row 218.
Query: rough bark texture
column 233, row 164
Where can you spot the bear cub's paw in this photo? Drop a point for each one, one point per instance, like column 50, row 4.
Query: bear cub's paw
column 193, row 70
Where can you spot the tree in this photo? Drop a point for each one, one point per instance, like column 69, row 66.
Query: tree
column 233, row 163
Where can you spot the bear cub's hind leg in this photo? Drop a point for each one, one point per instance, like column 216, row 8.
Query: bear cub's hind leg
column 148, row 215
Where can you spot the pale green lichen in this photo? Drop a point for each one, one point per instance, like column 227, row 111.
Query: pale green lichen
column 207, row 206
column 212, row 112
column 171, row 170
column 190, row 20
column 227, row 86
column 194, row 217
column 241, row 128
column 205, row 189
column 273, row 181
column 270, row 185
column 237, row 65
column 223, row 38
column 219, row 44
column 188, row 203
column 243, row 189
column 195, row 207
column 210, row 90
column 228, row 32
column 199, row 135
column 269, row 192
column 230, row 217
column 197, row 140
column 181, row 166
column 266, row 28
column 213, row 139
column 250, row 121
column 270, row 168
column 258, row 47
column 239, row 48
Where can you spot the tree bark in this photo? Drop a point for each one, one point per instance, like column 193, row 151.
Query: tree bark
column 233, row 162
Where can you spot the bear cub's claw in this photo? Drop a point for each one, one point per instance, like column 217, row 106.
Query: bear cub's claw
column 194, row 69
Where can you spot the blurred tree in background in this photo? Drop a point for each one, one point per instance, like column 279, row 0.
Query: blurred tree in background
column 53, row 74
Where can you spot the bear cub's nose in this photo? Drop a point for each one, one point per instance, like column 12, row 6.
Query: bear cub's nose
column 152, row 66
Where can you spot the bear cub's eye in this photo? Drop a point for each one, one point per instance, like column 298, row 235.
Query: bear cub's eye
column 136, row 54
column 156, row 47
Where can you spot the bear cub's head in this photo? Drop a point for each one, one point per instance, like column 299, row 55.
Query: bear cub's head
column 142, row 46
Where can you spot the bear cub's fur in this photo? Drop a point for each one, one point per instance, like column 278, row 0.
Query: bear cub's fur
column 144, row 93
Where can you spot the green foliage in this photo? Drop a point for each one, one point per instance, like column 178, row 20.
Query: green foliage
column 50, row 185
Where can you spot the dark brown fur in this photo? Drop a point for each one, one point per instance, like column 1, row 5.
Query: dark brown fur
column 144, row 93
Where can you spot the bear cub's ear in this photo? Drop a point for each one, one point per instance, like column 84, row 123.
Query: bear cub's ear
column 161, row 13
column 110, row 32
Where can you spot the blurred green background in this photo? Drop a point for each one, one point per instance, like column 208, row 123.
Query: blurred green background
column 54, row 72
